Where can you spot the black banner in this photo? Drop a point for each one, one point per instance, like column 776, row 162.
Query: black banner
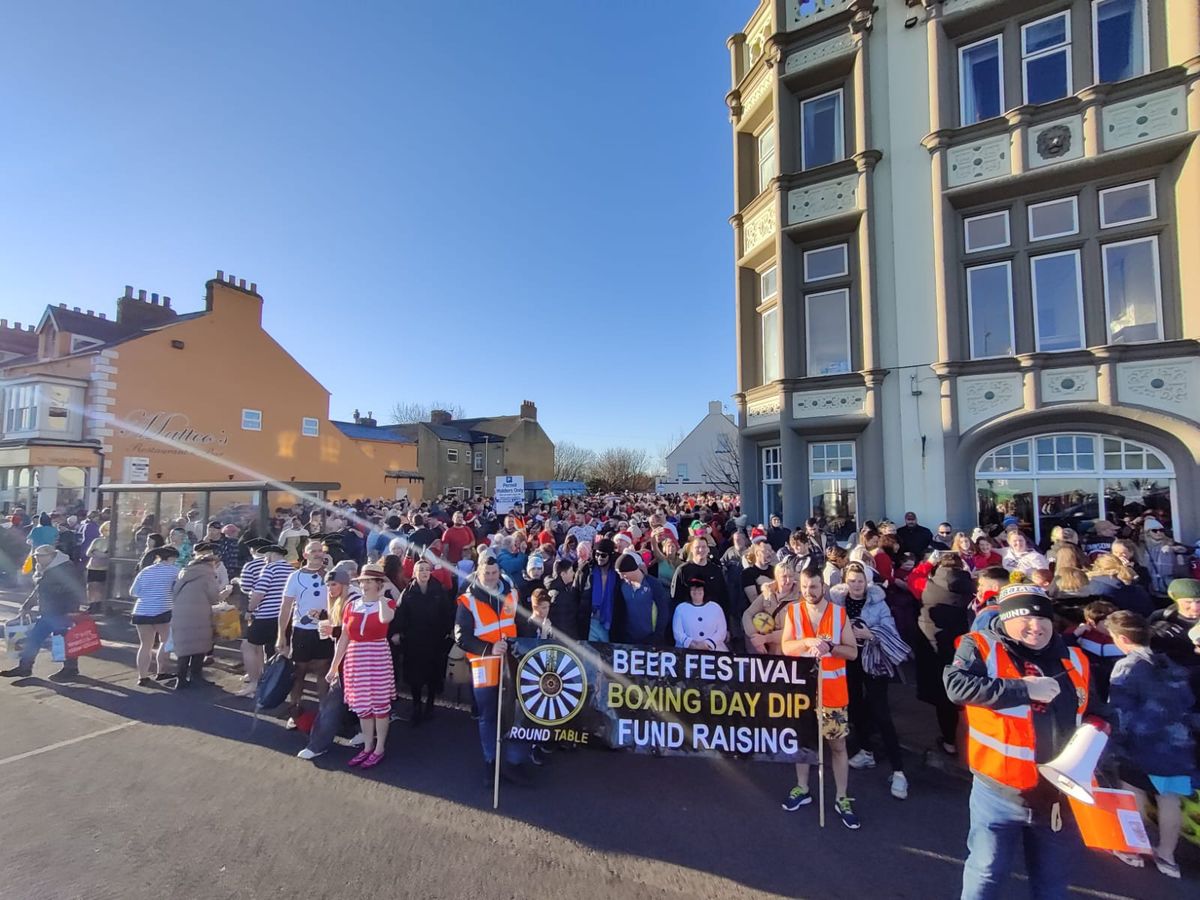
column 665, row 701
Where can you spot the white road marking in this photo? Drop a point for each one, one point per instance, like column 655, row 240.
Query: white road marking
column 67, row 743
column 1104, row 895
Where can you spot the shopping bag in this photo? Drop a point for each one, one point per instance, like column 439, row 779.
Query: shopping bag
column 15, row 631
column 27, row 566
column 1112, row 823
column 276, row 682
column 227, row 622
column 329, row 719
column 83, row 637
column 58, row 648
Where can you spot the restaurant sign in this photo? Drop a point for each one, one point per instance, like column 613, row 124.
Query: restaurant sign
column 170, row 432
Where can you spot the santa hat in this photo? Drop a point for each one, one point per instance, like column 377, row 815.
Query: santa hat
column 757, row 535
column 623, row 536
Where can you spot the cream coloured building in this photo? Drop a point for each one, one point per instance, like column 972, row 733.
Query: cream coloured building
column 966, row 238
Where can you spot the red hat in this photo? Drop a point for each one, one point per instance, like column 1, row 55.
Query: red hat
column 757, row 535
column 547, row 538
column 623, row 534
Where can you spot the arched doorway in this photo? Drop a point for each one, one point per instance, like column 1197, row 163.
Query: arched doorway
column 1073, row 478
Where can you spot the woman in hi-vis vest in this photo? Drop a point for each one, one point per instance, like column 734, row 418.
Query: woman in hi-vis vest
column 1025, row 692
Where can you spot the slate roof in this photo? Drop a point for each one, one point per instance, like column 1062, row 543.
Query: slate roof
column 354, row 431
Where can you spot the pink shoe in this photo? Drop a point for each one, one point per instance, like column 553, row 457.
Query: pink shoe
column 372, row 761
column 361, row 757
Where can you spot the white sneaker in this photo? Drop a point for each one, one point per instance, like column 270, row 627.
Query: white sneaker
column 290, row 725
column 308, row 754
column 245, row 679
column 863, row 759
column 358, row 740
column 248, row 691
column 899, row 785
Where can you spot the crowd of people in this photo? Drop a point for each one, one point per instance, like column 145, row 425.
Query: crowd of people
column 370, row 596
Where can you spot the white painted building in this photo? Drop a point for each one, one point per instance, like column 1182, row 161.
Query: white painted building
column 707, row 459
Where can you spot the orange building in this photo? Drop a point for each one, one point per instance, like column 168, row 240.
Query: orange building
column 159, row 396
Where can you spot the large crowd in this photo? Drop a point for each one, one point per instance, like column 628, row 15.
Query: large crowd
column 368, row 597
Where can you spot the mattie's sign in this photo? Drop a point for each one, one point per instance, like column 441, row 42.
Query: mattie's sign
column 170, row 432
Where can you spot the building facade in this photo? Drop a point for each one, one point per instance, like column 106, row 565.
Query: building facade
column 463, row 457
column 707, row 458
column 962, row 233
column 154, row 395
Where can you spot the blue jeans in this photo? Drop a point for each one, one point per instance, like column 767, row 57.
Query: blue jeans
column 998, row 827
column 488, row 701
column 40, row 633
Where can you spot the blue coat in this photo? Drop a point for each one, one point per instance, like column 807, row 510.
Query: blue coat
column 1152, row 701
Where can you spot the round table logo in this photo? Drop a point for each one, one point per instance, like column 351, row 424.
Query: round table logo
column 551, row 684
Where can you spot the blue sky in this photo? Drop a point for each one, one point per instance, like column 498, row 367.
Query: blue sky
column 476, row 202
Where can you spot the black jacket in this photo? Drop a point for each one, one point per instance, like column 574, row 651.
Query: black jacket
column 424, row 620
column 570, row 613
column 944, row 603
column 714, row 583
column 914, row 539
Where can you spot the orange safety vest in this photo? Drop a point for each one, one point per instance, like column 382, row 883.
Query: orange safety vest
column 834, row 690
column 1000, row 742
column 490, row 627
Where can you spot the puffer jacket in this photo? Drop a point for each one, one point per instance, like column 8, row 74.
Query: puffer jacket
column 1153, row 704
column 876, row 610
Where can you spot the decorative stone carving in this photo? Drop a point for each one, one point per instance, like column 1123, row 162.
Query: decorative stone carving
column 827, row 198
column 808, row 57
column 983, row 397
column 804, row 12
column 1056, row 141
column 1170, row 385
column 758, row 228
column 760, row 412
column 953, row 6
column 842, row 402
column 978, row 161
column 1144, row 118
column 1076, row 385
column 755, row 93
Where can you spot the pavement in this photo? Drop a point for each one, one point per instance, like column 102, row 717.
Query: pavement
column 109, row 790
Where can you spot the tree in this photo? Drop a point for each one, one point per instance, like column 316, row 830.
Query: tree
column 406, row 412
column 572, row 462
column 620, row 469
column 723, row 465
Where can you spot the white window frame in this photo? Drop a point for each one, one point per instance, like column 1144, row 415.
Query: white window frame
column 452, row 454
column 845, row 270
column 827, row 475
column 763, row 296
column 808, row 298
column 1037, row 337
column 966, row 231
column 310, row 427
column 1096, row 38
column 681, row 471
column 773, row 311
column 477, row 461
column 962, row 96
column 79, row 342
column 764, row 453
column 1153, row 241
column 1049, row 237
column 1012, row 338
column 248, row 421
column 840, row 132
column 767, row 133
column 1150, row 183
column 1031, row 57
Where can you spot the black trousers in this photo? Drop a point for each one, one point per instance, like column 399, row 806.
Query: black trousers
column 190, row 666
column 870, row 712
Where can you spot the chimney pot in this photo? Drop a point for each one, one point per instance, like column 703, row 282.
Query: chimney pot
column 220, row 275
column 3, row 323
column 104, row 315
column 91, row 312
column 254, row 287
column 154, row 298
column 29, row 328
column 142, row 296
column 129, row 290
column 76, row 309
column 242, row 283
column 17, row 325
column 167, row 302
column 62, row 306
column 232, row 279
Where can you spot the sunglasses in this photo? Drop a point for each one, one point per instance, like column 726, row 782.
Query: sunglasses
column 602, row 556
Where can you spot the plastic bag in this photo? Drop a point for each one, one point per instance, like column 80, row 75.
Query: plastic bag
column 14, row 636
column 227, row 622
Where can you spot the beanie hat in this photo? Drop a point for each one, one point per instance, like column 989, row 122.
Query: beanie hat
column 604, row 545
column 338, row 576
column 1184, row 589
column 628, row 563
column 1151, row 524
column 1018, row 600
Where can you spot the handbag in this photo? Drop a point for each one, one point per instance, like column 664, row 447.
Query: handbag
column 15, row 631
column 83, row 637
column 328, row 722
column 276, row 682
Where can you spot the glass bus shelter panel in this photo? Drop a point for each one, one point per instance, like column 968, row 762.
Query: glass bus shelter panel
column 282, row 505
column 130, row 510
column 240, row 508
column 188, row 506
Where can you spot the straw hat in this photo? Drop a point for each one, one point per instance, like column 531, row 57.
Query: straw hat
column 370, row 572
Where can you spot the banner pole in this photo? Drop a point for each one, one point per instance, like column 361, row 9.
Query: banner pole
column 499, row 727
column 820, row 740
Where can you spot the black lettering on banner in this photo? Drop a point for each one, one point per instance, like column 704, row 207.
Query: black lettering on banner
column 665, row 701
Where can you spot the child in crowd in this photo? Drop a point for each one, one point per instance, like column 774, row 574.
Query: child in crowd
column 1153, row 731
column 1093, row 638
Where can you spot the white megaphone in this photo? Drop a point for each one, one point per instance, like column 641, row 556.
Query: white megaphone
column 1071, row 771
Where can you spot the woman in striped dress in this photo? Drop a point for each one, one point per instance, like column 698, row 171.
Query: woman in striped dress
column 365, row 662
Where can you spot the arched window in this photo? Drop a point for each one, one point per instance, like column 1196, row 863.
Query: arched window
column 1072, row 479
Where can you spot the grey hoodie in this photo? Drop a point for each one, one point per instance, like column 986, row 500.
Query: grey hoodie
column 57, row 587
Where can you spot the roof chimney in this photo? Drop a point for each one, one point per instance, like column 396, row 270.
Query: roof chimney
column 357, row 418
column 529, row 410
column 140, row 312
column 439, row 417
column 714, row 407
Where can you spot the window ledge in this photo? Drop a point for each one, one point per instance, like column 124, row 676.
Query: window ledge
column 1106, row 353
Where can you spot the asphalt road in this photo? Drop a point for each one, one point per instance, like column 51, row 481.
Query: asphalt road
column 109, row 790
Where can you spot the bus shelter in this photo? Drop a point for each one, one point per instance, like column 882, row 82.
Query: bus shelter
column 258, row 508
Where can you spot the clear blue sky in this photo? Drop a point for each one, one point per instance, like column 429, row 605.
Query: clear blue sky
column 469, row 201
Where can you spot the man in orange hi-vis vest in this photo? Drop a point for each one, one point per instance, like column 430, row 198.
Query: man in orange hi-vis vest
column 483, row 625
column 1025, row 692
column 816, row 627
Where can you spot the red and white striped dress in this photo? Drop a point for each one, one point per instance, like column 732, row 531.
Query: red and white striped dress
column 367, row 676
